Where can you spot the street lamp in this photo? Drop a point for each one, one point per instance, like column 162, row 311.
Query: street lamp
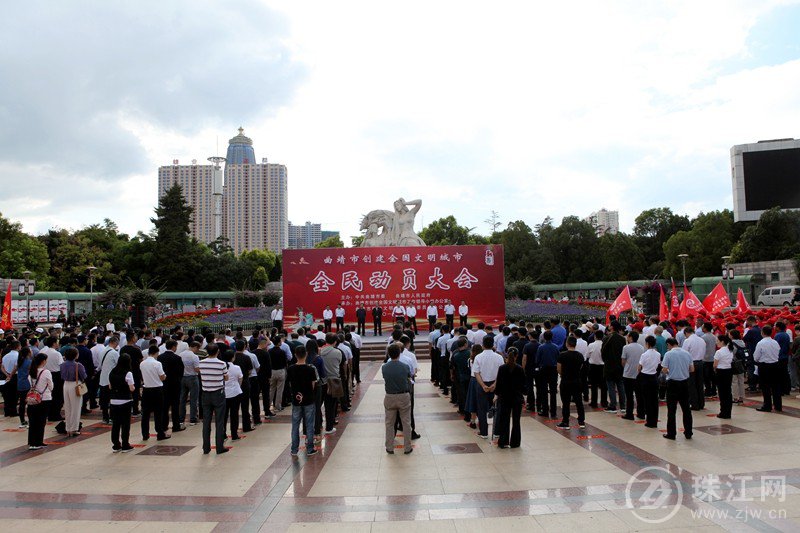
column 27, row 274
column 725, row 264
column 91, row 270
column 683, row 258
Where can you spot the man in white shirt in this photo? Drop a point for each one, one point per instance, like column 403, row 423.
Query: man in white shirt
column 153, row 377
column 108, row 360
column 320, row 333
column 327, row 318
column 648, row 368
column 277, row 317
column 444, row 359
column 766, row 357
column 110, row 327
column 9, row 365
column 411, row 316
column 53, row 364
column 356, row 343
column 190, row 385
column 339, row 318
column 449, row 313
column 433, row 315
column 595, row 359
column 480, row 333
column 696, row 347
column 463, row 312
column 485, row 368
column 399, row 314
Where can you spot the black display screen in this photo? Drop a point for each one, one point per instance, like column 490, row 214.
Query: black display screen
column 772, row 178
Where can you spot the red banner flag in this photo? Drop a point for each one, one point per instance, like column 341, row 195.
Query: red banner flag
column 717, row 300
column 663, row 310
column 5, row 319
column 741, row 303
column 674, row 298
column 621, row 304
column 691, row 304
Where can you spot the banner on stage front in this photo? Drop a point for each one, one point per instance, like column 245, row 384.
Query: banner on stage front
column 383, row 276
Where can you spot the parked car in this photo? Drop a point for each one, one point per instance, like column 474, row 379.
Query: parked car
column 777, row 296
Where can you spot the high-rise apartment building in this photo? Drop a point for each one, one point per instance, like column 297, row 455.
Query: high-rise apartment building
column 197, row 183
column 308, row 235
column 251, row 207
column 604, row 221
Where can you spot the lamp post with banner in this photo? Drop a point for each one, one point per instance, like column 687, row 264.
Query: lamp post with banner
column 683, row 258
column 726, row 273
column 27, row 289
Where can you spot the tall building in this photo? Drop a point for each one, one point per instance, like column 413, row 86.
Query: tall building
column 251, row 207
column 308, row 235
column 604, row 221
column 197, row 183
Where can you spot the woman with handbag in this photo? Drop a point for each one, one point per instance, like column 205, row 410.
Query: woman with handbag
column 723, row 360
column 38, row 400
column 739, row 365
column 74, row 375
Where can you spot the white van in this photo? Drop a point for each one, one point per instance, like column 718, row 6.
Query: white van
column 777, row 296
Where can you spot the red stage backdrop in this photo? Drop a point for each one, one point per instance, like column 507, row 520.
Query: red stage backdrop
column 314, row 278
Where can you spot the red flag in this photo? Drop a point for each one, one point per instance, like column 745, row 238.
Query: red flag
column 622, row 303
column 741, row 303
column 663, row 310
column 691, row 305
column 674, row 298
column 5, row 318
column 717, row 299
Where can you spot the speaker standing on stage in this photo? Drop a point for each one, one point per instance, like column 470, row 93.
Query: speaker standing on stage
column 463, row 311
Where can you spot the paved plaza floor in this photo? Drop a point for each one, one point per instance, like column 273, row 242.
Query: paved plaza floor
column 741, row 474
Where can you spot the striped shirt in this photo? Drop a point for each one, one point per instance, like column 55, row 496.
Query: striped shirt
column 212, row 372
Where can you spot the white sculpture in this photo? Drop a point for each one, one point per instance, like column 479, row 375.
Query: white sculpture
column 387, row 228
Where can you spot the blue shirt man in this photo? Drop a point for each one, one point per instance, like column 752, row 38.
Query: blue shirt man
column 547, row 355
column 679, row 363
column 783, row 340
column 559, row 335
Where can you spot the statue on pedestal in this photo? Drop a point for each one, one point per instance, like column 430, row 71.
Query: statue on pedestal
column 387, row 228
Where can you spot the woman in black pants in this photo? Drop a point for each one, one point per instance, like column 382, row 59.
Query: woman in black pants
column 723, row 360
column 121, row 385
column 41, row 382
column 509, row 390
column 233, row 394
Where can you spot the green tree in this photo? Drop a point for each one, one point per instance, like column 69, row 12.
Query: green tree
column 19, row 252
column 356, row 240
column 260, row 277
column 619, row 258
column 572, row 245
column 712, row 236
column 330, row 242
column 253, row 259
column 520, row 251
column 447, row 232
column 652, row 228
column 775, row 236
column 136, row 258
column 177, row 258
column 277, row 271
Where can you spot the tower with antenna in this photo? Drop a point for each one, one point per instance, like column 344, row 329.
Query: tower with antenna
column 217, row 194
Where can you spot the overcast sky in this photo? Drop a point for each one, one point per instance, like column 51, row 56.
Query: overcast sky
column 528, row 108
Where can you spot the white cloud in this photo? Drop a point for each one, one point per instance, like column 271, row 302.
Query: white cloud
column 527, row 108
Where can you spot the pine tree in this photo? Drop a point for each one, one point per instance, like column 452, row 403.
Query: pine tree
column 176, row 256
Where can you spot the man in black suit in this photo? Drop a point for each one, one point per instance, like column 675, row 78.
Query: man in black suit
column 361, row 318
column 173, row 368
column 377, row 321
